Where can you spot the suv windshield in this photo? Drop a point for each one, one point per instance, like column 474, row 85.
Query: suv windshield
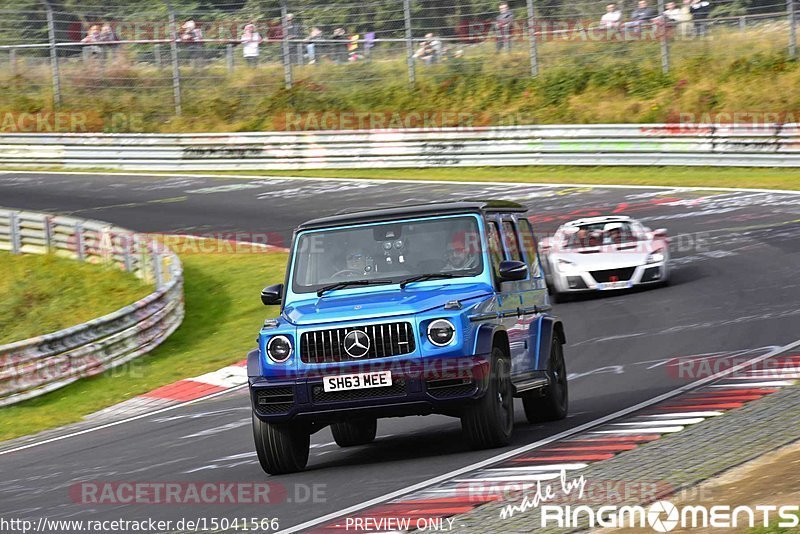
column 387, row 251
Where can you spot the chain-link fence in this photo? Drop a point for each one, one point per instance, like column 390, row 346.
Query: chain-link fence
column 165, row 54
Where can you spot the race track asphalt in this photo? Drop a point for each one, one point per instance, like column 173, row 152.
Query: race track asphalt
column 735, row 290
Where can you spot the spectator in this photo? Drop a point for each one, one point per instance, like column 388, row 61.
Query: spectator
column 640, row 16
column 352, row 48
column 430, row 50
column 612, row 17
column 192, row 37
column 503, row 25
column 643, row 13
column 672, row 13
column 340, row 51
column 700, row 9
column 91, row 39
column 311, row 44
column 107, row 35
column 251, row 40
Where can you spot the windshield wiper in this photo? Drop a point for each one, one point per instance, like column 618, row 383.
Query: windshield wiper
column 429, row 276
column 342, row 285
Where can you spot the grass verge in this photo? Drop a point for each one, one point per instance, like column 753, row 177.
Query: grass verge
column 38, row 294
column 223, row 314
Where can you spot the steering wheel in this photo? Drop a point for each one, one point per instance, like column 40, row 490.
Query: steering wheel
column 346, row 272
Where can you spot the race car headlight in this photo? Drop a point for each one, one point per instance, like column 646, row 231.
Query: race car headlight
column 441, row 332
column 655, row 257
column 279, row 348
column 566, row 266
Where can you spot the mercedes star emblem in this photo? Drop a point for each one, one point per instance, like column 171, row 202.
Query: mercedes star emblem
column 356, row 343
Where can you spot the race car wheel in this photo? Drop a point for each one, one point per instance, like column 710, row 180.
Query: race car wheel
column 551, row 403
column 281, row 448
column 349, row 434
column 489, row 423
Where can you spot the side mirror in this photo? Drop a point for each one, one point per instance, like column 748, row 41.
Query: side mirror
column 272, row 295
column 545, row 245
column 511, row 271
column 661, row 232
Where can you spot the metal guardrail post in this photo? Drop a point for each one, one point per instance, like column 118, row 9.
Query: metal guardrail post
column 742, row 23
column 16, row 241
column 157, row 274
column 664, row 38
column 157, row 55
column 12, row 61
column 412, row 74
column 532, row 39
column 51, row 32
column 790, row 8
column 48, row 234
column 127, row 254
column 286, row 51
column 80, row 245
column 176, row 71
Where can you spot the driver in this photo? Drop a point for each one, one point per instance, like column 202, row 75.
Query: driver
column 462, row 252
column 613, row 232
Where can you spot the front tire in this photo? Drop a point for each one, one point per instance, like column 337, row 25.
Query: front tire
column 350, row 434
column 490, row 422
column 552, row 403
column 281, row 448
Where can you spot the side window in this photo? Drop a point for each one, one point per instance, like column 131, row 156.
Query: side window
column 529, row 244
column 512, row 243
column 495, row 246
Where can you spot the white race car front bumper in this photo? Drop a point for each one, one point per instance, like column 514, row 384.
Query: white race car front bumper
column 610, row 279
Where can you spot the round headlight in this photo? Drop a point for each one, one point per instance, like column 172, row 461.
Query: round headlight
column 441, row 332
column 279, row 348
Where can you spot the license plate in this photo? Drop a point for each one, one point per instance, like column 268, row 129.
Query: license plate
column 378, row 379
column 615, row 285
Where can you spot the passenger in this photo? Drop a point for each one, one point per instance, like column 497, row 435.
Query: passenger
column 613, row 233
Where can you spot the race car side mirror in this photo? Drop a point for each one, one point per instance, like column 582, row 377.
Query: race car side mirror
column 661, row 232
column 272, row 295
column 511, row 271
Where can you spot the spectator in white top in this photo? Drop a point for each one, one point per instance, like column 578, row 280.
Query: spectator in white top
column 612, row 17
column 251, row 40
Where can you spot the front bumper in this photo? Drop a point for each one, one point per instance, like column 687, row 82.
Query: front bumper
column 415, row 390
column 611, row 279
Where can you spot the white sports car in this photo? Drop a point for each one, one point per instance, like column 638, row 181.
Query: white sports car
column 604, row 253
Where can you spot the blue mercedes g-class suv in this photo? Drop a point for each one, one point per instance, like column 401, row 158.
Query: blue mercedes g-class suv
column 438, row 308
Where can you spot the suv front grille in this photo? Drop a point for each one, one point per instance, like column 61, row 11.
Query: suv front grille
column 622, row 275
column 327, row 346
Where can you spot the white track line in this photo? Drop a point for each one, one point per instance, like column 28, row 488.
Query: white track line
column 400, row 180
column 519, row 450
column 121, row 421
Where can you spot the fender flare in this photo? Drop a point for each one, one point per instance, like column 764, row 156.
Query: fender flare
column 551, row 325
column 485, row 338
column 254, row 364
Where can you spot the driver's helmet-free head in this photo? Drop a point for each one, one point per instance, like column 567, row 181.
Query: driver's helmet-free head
column 356, row 261
column 613, row 231
column 462, row 249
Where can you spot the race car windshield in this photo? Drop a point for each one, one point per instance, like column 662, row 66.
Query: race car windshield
column 391, row 252
column 600, row 234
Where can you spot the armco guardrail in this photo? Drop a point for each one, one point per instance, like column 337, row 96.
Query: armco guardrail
column 772, row 145
column 35, row 366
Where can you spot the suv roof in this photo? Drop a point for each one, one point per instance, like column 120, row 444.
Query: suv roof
column 415, row 210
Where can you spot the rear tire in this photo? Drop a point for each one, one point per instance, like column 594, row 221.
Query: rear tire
column 281, row 448
column 552, row 403
column 490, row 422
column 350, row 434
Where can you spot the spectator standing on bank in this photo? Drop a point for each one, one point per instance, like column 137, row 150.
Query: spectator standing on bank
column 311, row 44
column 430, row 50
column 612, row 17
column 642, row 15
column 700, row 10
column 504, row 25
column 251, row 40
column 107, row 35
column 192, row 37
column 91, row 40
column 340, row 51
